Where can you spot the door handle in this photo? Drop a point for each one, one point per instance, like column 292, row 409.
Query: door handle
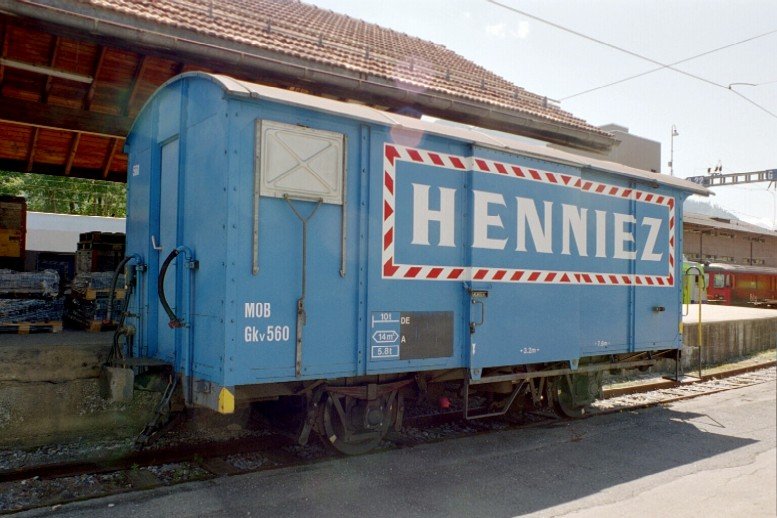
column 154, row 245
column 473, row 325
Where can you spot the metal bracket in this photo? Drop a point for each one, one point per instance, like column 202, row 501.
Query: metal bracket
column 473, row 325
column 536, row 392
column 313, row 401
column 477, row 296
column 301, row 314
column 505, row 407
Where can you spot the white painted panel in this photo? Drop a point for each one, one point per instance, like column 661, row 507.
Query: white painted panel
column 300, row 162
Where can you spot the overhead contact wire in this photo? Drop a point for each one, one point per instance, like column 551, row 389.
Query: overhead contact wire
column 629, row 52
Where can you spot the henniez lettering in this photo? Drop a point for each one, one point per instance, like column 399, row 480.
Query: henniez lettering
column 529, row 226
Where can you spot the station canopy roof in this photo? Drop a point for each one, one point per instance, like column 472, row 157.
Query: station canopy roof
column 702, row 222
column 74, row 73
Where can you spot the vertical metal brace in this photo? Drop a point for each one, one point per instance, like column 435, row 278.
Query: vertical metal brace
column 301, row 316
column 257, row 183
column 700, row 285
column 344, row 208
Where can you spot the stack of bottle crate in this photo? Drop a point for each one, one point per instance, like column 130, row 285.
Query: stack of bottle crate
column 13, row 231
column 99, row 251
column 30, row 302
column 87, row 305
column 98, row 255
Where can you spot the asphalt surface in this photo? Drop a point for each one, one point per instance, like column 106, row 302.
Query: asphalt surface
column 709, row 456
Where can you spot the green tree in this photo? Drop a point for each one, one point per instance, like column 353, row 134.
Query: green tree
column 61, row 195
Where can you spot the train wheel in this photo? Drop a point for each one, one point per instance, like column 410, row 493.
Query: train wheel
column 571, row 394
column 355, row 426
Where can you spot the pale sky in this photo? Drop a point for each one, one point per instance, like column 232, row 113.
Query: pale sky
column 713, row 123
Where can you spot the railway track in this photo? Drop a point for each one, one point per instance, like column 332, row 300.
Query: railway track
column 678, row 391
column 42, row 485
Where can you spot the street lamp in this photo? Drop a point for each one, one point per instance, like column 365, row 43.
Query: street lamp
column 671, row 149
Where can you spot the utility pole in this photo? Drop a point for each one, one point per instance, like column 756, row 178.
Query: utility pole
column 671, row 149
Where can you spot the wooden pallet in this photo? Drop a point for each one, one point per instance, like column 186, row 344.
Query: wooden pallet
column 93, row 294
column 26, row 328
column 90, row 326
column 97, row 326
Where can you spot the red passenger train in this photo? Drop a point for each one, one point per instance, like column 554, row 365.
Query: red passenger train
column 741, row 285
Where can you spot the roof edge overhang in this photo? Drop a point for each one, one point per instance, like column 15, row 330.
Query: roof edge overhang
column 245, row 90
column 85, row 21
column 693, row 220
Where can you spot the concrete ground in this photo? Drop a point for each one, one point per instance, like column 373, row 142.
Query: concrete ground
column 716, row 313
column 710, row 456
column 728, row 332
column 67, row 337
column 49, row 391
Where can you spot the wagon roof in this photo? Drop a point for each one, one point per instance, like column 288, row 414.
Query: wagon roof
column 243, row 89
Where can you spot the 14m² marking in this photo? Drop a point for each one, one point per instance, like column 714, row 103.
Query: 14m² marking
column 385, row 335
column 411, row 335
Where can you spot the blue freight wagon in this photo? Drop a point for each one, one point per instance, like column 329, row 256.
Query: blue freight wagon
column 285, row 245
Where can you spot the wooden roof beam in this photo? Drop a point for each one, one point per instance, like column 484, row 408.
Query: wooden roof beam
column 4, row 50
column 30, row 113
column 45, row 70
column 44, row 97
column 31, row 152
column 98, row 63
column 72, row 153
column 133, row 88
column 114, row 146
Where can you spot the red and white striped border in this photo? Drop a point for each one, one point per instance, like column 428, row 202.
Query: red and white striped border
column 392, row 270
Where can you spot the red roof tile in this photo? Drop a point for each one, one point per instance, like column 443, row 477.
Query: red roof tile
column 308, row 32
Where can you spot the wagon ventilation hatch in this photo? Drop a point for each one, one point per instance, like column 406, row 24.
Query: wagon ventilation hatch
column 299, row 162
